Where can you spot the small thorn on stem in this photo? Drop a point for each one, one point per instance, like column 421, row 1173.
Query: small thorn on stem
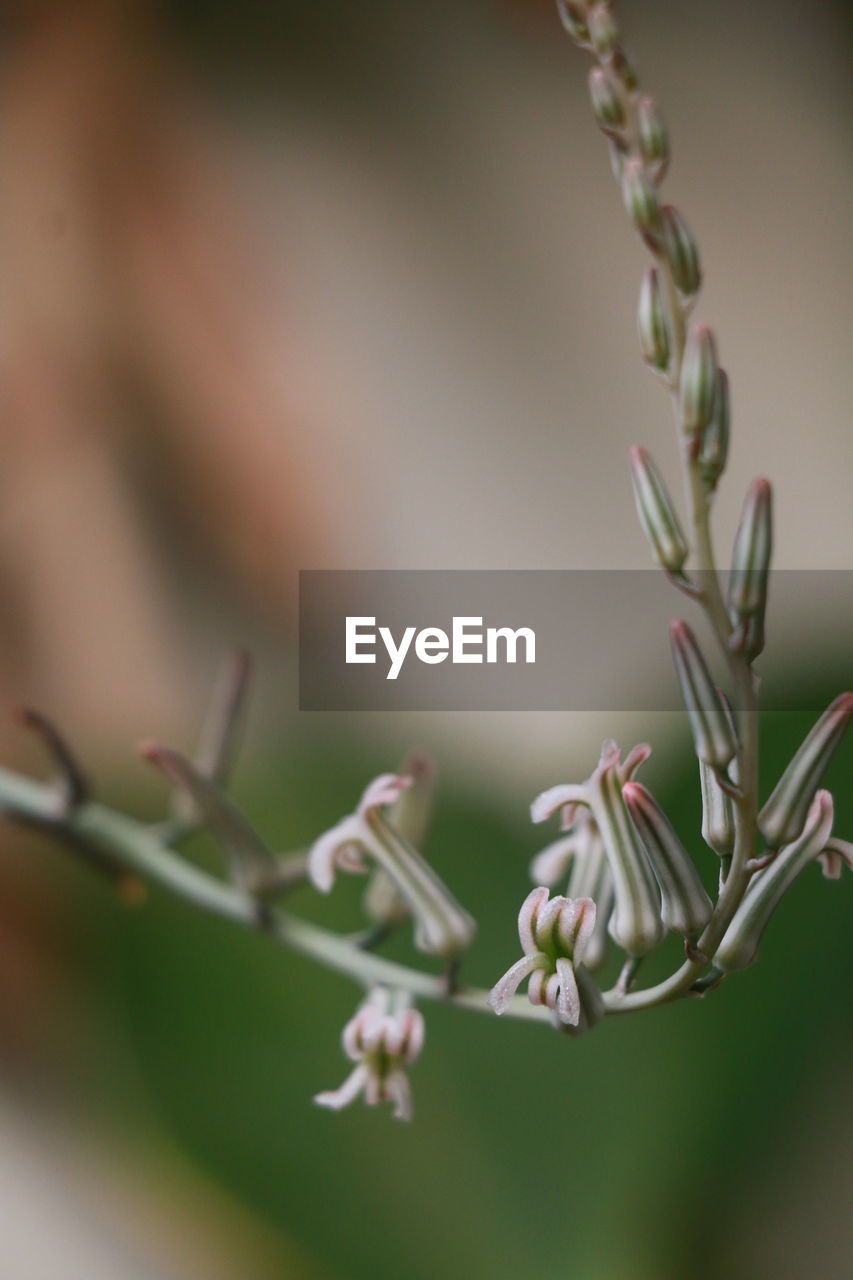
column 72, row 785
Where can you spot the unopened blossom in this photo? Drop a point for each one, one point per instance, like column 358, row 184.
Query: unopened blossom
column 554, row 934
column 442, row 926
column 382, row 1040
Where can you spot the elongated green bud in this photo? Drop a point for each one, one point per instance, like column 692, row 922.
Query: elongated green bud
column 603, row 30
column 718, row 819
column 739, row 947
column 656, row 512
column 652, row 134
column 714, row 446
column 686, row 907
column 638, row 192
column 712, row 732
column 751, row 554
column 573, row 18
column 636, row 923
column 651, row 322
column 606, row 100
column 681, row 252
column 784, row 815
column 699, row 371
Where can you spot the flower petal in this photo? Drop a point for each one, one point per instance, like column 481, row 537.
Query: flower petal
column 506, row 987
column 568, row 1000
column 552, row 864
column 335, row 1099
column 324, row 854
column 547, row 804
column 384, row 790
column 528, row 917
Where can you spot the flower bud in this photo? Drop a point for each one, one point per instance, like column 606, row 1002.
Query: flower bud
column 623, row 68
column 712, row 731
column 686, row 907
column 652, row 134
column 603, row 30
column 714, row 445
column 718, row 819
column 656, row 512
column 751, row 554
column 636, row 923
column 651, row 322
column 681, row 252
column 783, row 816
column 739, row 947
column 606, row 101
column 638, row 192
column 573, row 18
column 699, row 371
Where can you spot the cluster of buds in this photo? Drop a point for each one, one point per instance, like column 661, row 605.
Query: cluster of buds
column 384, row 1037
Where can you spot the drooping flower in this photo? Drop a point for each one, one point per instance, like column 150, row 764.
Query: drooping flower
column 383, row 1038
column 579, row 856
column 442, row 926
column 635, row 922
column 554, row 935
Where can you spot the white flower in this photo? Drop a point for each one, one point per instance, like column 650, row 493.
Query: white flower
column 442, row 926
column 382, row 1041
column 554, row 934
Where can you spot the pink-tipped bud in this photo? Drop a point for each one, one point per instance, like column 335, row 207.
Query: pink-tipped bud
column 573, row 18
column 681, row 252
column 712, row 731
column 699, row 373
column 606, row 100
column 686, row 907
column 603, row 30
column 651, row 322
column 652, row 135
column 656, row 512
column 784, row 815
column 640, row 196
